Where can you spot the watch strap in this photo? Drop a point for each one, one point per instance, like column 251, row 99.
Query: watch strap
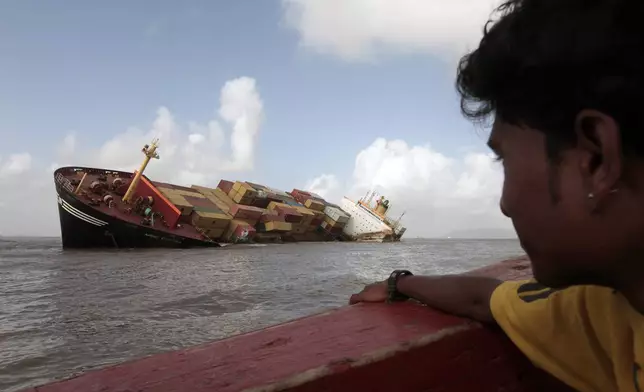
column 392, row 286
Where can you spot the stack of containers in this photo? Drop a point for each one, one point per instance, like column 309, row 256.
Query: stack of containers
column 242, row 219
column 335, row 220
column 239, row 197
column 263, row 195
column 216, row 196
column 242, row 193
column 288, row 213
column 301, row 196
column 307, row 218
column 317, row 207
column 198, row 210
column 272, row 222
column 332, row 218
column 206, row 215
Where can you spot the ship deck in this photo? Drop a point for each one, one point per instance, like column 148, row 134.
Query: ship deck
column 118, row 211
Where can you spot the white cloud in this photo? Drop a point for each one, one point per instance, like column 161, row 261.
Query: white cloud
column 357, row 29
column 15, row 164
column 440, row 194
column 193, row 152
column 242, row 107
column 326, row 186
column 189, row 153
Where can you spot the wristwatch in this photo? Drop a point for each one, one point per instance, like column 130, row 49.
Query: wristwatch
column 392, row 286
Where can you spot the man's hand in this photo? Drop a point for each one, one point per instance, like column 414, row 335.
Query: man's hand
column 374, row 292
column 461, row 295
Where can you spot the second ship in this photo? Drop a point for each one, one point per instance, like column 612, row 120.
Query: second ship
column 109, row 208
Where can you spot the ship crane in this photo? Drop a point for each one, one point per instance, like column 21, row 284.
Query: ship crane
column 150, row 151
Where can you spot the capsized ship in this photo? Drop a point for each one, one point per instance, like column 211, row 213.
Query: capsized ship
column 111, row 208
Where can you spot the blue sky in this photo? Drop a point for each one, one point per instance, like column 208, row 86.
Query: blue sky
column 96, row 69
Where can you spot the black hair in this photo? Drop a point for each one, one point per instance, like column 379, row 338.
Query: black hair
column 543, row 61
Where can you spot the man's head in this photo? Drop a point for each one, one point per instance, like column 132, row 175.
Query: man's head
column 564, row 80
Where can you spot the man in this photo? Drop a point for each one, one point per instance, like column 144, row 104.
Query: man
column 564, row 80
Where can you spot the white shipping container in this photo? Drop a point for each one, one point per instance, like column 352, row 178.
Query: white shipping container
column 336, row 214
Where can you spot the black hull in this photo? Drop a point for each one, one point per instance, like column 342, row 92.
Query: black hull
column 84, row 227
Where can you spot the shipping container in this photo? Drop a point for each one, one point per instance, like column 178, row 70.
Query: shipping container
column 239, row 198
column 258, row 187
column 299, row 229
column 210, row 220
column 202, row 189
column 165, row 191
column 219, row 203
column 330, row 223
column 240, row 231
column 225, row 186
column 336, row 214
column 204, row 203
column 181, row 203
column 245, row 189
column 314, row 205
column 224, row 197
column 260, row 202
column 215, row 233
column 250, row 213
column 271, row 216
column 190, row 193
column 274, row 226
column 289, row 213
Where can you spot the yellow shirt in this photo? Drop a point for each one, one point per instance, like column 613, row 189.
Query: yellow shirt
column 587, row 336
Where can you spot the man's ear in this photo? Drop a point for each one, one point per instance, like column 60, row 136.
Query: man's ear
column 600, row 145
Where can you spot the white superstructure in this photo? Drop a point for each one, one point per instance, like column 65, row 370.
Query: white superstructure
column 365, row 224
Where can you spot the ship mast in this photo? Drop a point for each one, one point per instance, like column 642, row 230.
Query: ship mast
column 150, row 151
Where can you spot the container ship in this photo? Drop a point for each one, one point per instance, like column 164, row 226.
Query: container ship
column 109, row 208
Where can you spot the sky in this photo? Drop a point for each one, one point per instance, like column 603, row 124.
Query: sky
column 335, row 96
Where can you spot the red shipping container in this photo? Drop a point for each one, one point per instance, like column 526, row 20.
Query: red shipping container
column 239, row 211
column 301, row 198
column 290, row 214
column 225, row 186
column 243, row 233
column 301, row 192
column 317, row 221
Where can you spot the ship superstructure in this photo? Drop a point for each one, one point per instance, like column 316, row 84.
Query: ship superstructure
column 369, row 220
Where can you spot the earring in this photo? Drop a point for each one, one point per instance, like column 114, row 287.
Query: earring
column 591, row 195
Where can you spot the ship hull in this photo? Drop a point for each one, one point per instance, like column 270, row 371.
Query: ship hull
column 84, row 227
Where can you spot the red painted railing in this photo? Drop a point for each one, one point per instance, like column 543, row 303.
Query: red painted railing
column 365, row 347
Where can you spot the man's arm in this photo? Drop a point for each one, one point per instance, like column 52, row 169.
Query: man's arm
column 466, row 296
